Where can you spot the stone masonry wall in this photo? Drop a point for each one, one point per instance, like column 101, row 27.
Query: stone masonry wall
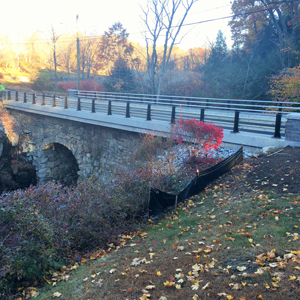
column 292, row 127
column 94, row 147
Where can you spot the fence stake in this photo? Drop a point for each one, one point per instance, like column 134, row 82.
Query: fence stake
column 17, row 96
column 127, row 110
column 33, row 98
column 277, row 126
column 9, row 96
column 78, row 104
column 149, row 112
column 54, row 103
column 202, row 114
column 93, row 105
column 173, row 114
column 25, row 100
column 109, row 108
column 236, row 122
column 149, row 194
column 176, row 201
column 43, row 99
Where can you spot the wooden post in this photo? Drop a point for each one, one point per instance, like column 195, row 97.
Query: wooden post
column 54, row 103
column 43, row 99
column 9, row 96
column 176, row 200
column 25, row 100
column 17, row 96
column 149, row 194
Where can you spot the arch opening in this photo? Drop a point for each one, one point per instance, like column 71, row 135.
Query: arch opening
column 58, row 164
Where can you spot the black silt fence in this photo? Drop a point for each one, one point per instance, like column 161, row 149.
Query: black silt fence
column 159, row 200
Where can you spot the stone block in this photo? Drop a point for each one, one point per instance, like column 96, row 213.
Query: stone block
column 292, row 127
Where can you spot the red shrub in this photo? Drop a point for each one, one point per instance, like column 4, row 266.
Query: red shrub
column 202, row 136
column 84, row 85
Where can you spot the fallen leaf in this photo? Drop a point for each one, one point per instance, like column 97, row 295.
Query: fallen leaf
column 266, row 285
column 150, row 287
column 57, row 294
column 206, row 286
column 169, row 283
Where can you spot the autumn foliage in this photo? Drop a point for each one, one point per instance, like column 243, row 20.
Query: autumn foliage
column 200, row 137
column 87, row 85
column 285, row 86
column 41, row 227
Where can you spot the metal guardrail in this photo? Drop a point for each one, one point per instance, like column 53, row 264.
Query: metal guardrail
column 209, row 103
column 246, row 115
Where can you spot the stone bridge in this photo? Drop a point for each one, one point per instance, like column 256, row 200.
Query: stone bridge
column 63, row 149
column 64, row 144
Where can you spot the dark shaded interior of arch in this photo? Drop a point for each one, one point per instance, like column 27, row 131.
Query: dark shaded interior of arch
column 61, row 164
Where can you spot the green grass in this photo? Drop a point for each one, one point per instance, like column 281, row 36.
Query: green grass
column 228, row 233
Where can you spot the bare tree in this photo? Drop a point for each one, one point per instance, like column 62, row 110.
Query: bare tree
column 55, row 37
column 68, row 53
column 161, row 18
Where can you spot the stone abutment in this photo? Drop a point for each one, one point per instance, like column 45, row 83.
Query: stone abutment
column 64, row 150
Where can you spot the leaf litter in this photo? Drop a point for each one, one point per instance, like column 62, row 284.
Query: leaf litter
column 236, row 240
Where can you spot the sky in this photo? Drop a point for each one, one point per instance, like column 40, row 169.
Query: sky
column 20, row 18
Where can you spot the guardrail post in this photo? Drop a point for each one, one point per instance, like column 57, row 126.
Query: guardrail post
column 93, row 105
column 43, row 99
column 236, row 122
column 277, row 126
column 54, row 103
column 127, row 110
column 9, row 96
column 66, row 102
column 109, row 108
column 17, row 96
column 149, row 112
column 78, row 104
column 173, row 114
column 33, row 98
column 25, row 100
column 202, row 114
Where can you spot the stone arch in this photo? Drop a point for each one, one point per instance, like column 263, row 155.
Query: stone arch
column 57, row 163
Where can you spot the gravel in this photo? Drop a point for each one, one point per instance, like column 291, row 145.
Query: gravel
column 180, row 154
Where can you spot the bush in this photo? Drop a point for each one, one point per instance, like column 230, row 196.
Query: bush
column 42, row 227
column 200, row 137
column 42, row 83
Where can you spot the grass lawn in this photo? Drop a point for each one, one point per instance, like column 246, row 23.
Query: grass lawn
column 215, row 246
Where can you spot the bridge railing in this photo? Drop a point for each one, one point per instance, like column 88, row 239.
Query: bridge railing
column 193, row 102
column 251, row 115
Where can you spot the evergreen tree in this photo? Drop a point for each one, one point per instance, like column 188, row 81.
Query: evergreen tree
column 121, row 78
